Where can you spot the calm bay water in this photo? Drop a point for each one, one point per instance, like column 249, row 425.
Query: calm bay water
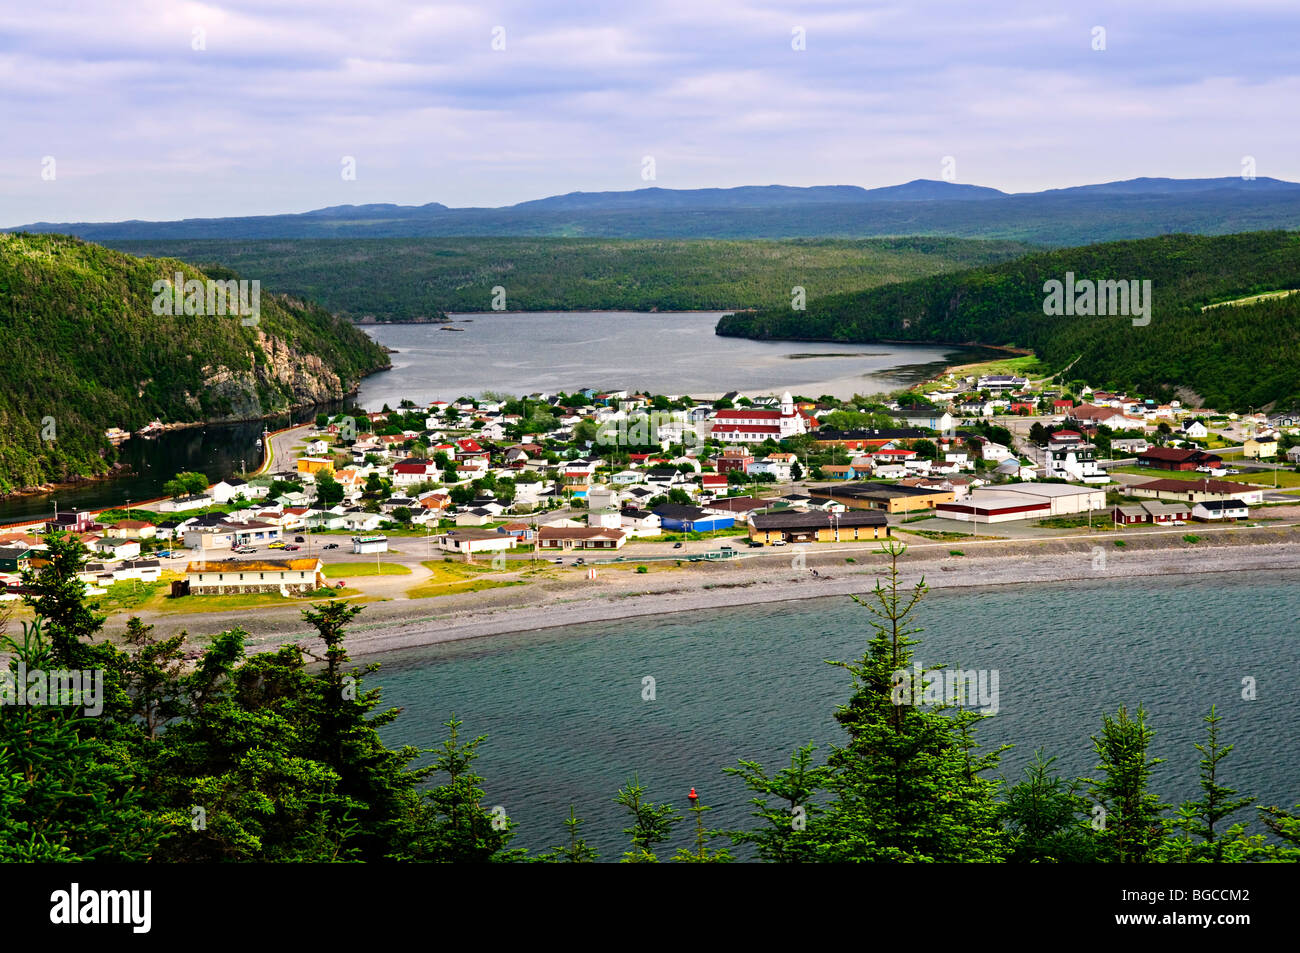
column 217, row 450
column 670, row 353
column 566, row 722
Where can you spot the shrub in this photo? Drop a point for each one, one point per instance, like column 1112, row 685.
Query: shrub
column 1119, row 542
column 1190, row 538
column 642, row 569
column 955, row 552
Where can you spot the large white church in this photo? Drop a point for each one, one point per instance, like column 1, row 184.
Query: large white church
column 754, row 425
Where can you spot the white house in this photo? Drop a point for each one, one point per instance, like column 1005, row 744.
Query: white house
column 361, row 521
column 471, row 541
column 234, row 488
column 640, row 523
column 117, row 548
column 890, row 471
column 1073, row 460
column 1216, row 510
column 779, row 469
column 215, row 577
column 186, row 503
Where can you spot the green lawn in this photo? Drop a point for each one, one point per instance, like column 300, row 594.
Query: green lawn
column 1263, row 478
column 124, row 596
column 1250, row 299
column 341, row 570
column 249, row 600
column 449, row 578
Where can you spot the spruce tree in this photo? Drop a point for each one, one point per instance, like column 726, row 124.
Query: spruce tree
column 1130, row 827
column 651, row 823
column 1203, row 837
column 910, row 784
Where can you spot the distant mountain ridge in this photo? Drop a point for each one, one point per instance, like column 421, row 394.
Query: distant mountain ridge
column 1134, row 208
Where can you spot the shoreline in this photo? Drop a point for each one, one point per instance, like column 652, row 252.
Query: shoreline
column 417, row 634
column 400, row 624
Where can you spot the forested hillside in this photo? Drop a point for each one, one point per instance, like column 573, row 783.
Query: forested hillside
column 81, row 349
column 1236, row 358
column 408, row 279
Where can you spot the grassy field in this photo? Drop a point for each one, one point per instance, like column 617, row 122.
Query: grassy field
column 456, row 577
column 343, row 570
column 1262, row 478
column 1025, row 366
column 1099, row 522
column 1251, row 299
column 250, row 600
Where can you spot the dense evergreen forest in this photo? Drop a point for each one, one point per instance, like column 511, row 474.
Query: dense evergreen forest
column 81, row 350
column 405, row 279
column 1233, row 358
column 277, row 757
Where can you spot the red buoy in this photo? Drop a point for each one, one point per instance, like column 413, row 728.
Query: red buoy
column 693, row 796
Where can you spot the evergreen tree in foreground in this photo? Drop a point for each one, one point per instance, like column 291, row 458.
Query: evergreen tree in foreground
column 908, row 786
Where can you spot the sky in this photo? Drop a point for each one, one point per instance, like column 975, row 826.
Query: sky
column 160, row 110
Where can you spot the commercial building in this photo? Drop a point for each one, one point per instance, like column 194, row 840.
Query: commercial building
column 370, row 544
column 895, row 498
column 1177, row 458
column 793, row 526
column 1018, row 501
column 1195, row 491
column 559, row 537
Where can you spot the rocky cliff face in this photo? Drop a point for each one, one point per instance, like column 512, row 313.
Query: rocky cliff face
column 282, row 378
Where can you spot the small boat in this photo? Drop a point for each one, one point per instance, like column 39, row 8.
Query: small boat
column 448, row 327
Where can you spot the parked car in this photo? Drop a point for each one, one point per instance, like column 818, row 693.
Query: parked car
column 779, row 542
column 163, row 554
column 755, row 544
column 292, row 547
column 299, row 539
column 558, row 562
column 276, row 545
column 724, row 547
column 677, row 545
column 579, row 561
column 331, row 545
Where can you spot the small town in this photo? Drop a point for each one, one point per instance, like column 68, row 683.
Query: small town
column 424, row 501
column 737, row 433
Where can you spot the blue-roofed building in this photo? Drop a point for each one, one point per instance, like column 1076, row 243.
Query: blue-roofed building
column 676, row 518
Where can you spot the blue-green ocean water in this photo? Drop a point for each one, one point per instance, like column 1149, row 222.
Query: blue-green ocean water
column 566, row 721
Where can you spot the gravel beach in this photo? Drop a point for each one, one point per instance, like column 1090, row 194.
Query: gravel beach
column 569, row 598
